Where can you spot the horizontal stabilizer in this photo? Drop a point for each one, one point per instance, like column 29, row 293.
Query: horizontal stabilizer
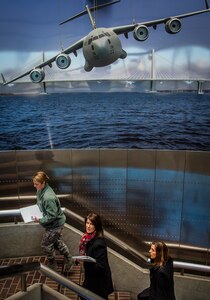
column 91, row 9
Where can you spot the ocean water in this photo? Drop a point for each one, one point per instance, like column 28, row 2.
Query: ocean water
column 105, row 120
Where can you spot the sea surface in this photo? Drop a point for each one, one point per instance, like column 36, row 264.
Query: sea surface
column 105, row 120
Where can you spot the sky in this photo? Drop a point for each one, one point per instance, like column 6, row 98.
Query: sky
column 28, row 28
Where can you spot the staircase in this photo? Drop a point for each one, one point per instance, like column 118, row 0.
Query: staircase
column 12, row 285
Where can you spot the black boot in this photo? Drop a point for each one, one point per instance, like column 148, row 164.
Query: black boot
column 52, row 263
column 69, row 263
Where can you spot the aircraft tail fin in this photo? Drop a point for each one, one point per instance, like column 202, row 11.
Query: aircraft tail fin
column 207, row 4
column 90, row 9
column 3, row 79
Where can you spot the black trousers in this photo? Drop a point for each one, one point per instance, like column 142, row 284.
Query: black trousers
column 144, row 295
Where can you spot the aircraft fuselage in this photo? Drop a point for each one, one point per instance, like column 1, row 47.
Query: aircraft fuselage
column 101, row 47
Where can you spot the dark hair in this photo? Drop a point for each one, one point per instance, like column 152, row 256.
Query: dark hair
column 162, row 253
column 96, row 220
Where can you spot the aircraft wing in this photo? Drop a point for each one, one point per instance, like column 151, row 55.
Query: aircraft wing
column 71, row 49
column 127, row 28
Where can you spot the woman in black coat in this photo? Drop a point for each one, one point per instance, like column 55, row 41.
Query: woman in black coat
column 98, row 277
column 161, row 274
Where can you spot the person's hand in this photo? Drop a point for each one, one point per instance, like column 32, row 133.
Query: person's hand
column 35, row 219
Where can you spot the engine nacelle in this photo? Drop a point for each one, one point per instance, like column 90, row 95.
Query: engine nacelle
column 37, row 75
column 63, row 61
column 141, row 33
column 173, row 26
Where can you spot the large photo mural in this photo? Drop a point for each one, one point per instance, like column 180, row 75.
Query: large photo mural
column 131, row 137
column 172, row 48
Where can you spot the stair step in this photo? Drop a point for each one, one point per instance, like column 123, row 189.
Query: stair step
column 12, row 285
column 120, row 296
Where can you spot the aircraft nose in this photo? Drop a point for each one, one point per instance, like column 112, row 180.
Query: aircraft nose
column 102, row 51
column 101, row 48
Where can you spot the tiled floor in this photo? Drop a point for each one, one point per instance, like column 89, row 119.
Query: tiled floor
column 12, row 285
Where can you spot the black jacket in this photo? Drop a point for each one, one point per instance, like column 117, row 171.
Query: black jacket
column 98, row 277
column 161, row 282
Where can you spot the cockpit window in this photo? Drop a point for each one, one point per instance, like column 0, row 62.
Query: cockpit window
column 96, row 37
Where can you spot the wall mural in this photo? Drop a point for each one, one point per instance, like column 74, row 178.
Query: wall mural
column 30, row 33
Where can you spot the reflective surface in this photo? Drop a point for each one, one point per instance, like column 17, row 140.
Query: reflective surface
column 141, row 195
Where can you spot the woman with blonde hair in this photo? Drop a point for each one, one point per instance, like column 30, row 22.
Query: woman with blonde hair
column 161, row 274
column 53, row 221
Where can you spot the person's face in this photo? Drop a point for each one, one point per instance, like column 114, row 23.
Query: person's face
column 38, row 185
column 89, row 226
column 152, row 252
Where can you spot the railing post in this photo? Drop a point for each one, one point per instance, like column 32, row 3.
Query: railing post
column 182, row 272
column 23, row 283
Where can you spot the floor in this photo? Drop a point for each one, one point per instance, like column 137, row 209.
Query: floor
column 12, row 285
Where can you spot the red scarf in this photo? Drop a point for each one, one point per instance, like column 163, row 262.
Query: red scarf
column 86, row 237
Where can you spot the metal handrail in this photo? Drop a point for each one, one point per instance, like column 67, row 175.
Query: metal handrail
column 177, row 264
column 10, row 213
column 33, row 197
column 191, row 266
column 17, row 269
column 20, row 269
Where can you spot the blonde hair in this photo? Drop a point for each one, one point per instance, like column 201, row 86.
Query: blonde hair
column 41, row 177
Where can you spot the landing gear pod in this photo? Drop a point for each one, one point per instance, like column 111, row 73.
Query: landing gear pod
column 37, row 75
column 63, row 61
column 173, row 26
column 141, row 33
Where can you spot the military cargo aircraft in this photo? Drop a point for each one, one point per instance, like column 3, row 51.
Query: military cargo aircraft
column 102, row 46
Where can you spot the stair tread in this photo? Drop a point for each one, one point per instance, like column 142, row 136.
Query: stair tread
column 10, row 286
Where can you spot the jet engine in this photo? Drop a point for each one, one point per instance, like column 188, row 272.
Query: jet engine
column 173, row 26
column 63, row 61
column 37, row 75
column 141, row 33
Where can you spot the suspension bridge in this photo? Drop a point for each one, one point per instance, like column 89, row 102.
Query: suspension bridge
column 148, row 71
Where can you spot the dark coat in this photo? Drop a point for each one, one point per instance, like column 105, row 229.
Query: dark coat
column 98, row 277
column 161, row 282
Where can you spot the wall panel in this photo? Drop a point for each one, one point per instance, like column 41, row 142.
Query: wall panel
column 141, row 194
